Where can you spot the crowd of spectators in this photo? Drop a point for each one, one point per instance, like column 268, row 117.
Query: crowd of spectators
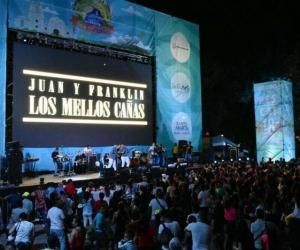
column 229, row 205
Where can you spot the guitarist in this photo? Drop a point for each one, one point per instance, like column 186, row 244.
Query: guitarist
column 124, row 152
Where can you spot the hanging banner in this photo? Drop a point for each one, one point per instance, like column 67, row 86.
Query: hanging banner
column 274, row 120
column 114, row 23
column 179, row 111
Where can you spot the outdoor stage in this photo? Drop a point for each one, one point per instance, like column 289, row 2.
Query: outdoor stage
column 29, row 184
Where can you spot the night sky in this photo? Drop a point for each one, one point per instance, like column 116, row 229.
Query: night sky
column 241, row 42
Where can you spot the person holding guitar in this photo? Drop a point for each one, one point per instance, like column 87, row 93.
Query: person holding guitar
column 124, row 152
column 80, row 160
column 54, row 157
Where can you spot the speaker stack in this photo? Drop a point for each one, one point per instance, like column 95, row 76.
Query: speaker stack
column 14, row 164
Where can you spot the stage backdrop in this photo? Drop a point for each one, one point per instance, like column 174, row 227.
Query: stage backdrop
column 274, row 120
column 126, row 27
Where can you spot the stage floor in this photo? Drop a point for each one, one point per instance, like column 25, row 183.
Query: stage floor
column 32, row 181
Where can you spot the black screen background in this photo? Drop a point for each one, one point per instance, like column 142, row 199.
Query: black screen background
column 74, row 63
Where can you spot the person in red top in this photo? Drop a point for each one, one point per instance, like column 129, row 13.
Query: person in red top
column 40, row 204
column 70, row 189
column 76, row 235
column 145, row 235
column 99, row 203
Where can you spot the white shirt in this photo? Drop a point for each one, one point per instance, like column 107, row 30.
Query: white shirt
column 203, row 195
column 96, row 194
column 200, row 233
column 24, row 229
column 152, row 150
column 155, row 206
column 27, row 204
column 173, row 226
column 87, row 151
column 56, row 217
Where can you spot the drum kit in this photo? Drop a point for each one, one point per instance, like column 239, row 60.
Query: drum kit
column 144, row 159
column 65, row 160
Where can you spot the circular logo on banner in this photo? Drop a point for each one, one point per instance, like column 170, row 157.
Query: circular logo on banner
column 182, row 126
column 180, row 47
column 181, row 87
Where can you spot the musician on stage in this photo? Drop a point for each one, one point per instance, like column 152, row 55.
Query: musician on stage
column 160, row 152
column 124, row 152
column 113, row 157
column 79, row 163
column 105, row 160
column 87, row 150
column 189, row 153
column 175, row 152
column 153, row 152
column 54, row 155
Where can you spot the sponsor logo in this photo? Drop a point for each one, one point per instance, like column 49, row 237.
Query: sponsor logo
column 181, row 87
column 180, row 47
column 181, row 126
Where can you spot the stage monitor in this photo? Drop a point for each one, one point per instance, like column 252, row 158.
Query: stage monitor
column 74, row 99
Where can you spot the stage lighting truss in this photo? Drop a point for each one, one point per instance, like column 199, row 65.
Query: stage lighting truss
column 74, row 45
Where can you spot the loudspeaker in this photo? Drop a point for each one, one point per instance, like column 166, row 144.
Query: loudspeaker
column 11, row 147
column 14, row 171
column 109, row 172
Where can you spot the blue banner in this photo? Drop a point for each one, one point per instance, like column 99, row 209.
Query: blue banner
column 179, row 111
column 274, row 119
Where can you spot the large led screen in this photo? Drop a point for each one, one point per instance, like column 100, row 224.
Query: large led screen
column 73, row 99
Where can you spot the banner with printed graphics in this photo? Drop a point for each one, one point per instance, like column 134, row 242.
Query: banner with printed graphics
column 179, row 108
column 114, row 23
column 274, row 120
